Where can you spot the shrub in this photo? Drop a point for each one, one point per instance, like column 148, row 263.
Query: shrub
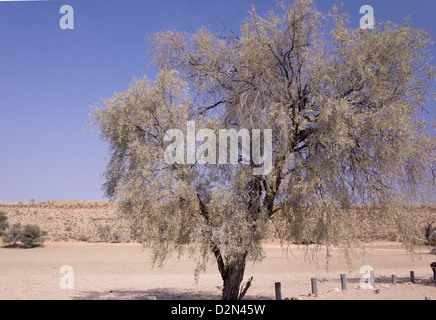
column 13, row 235
column 104, row 232
column 116, row 235
column 32, row 236
column 3, row 222
column 83, row 237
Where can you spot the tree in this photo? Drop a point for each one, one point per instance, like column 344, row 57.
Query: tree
column 3, row 222
column 32, row 235
column 344, row 110
column 13, row 235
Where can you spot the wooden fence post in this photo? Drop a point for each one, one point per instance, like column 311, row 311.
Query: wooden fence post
column 372, row 278
column 314, row 287
column 344, row 282
column 412, row 276
column 278, row 286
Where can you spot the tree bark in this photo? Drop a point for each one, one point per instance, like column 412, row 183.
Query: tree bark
column 232, row 276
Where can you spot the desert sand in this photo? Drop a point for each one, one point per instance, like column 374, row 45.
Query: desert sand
column 123, row 271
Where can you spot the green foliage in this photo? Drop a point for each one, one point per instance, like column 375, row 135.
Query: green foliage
column 3, row 222
column 13, row 235
column 31, row 236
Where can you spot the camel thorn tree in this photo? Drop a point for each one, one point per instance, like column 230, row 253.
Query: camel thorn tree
column 344, row 107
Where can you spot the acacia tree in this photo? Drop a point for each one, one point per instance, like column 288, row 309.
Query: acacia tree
column 344, row 108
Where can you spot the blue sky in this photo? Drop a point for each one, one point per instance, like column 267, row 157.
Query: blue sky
column 49, row 77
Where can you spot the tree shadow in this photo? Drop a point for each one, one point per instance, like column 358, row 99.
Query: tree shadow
column 21, row 246
column 428, row 281
column 155, row 294
column 11, row 246
column 152, row 294
column 419, row 280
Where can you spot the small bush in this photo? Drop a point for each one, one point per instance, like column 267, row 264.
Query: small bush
column 32, row 236
column 13, row 235
column 104, row 232
column 116, row 237
column 3, row 222
column 83, row 238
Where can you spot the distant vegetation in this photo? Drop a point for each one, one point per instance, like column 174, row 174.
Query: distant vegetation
column 3, row 222
column 13, row 235
column 86, row 221
column 30, row 235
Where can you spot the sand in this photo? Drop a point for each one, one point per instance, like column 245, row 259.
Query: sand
column 123, row 270
column 104, row 271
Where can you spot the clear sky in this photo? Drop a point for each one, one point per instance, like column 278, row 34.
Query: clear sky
column 49, row 77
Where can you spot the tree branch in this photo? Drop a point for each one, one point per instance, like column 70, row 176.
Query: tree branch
column 206, row 109
column 245, row 289
column 203, row 209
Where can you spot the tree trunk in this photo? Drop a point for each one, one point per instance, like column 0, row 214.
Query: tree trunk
column 232, row 276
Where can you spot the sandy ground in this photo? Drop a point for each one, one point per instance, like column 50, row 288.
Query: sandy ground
column 123, row 271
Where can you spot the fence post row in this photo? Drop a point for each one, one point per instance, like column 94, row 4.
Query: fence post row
column 314, row 282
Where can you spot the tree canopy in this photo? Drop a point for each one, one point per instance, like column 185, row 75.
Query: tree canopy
column 344, row 107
